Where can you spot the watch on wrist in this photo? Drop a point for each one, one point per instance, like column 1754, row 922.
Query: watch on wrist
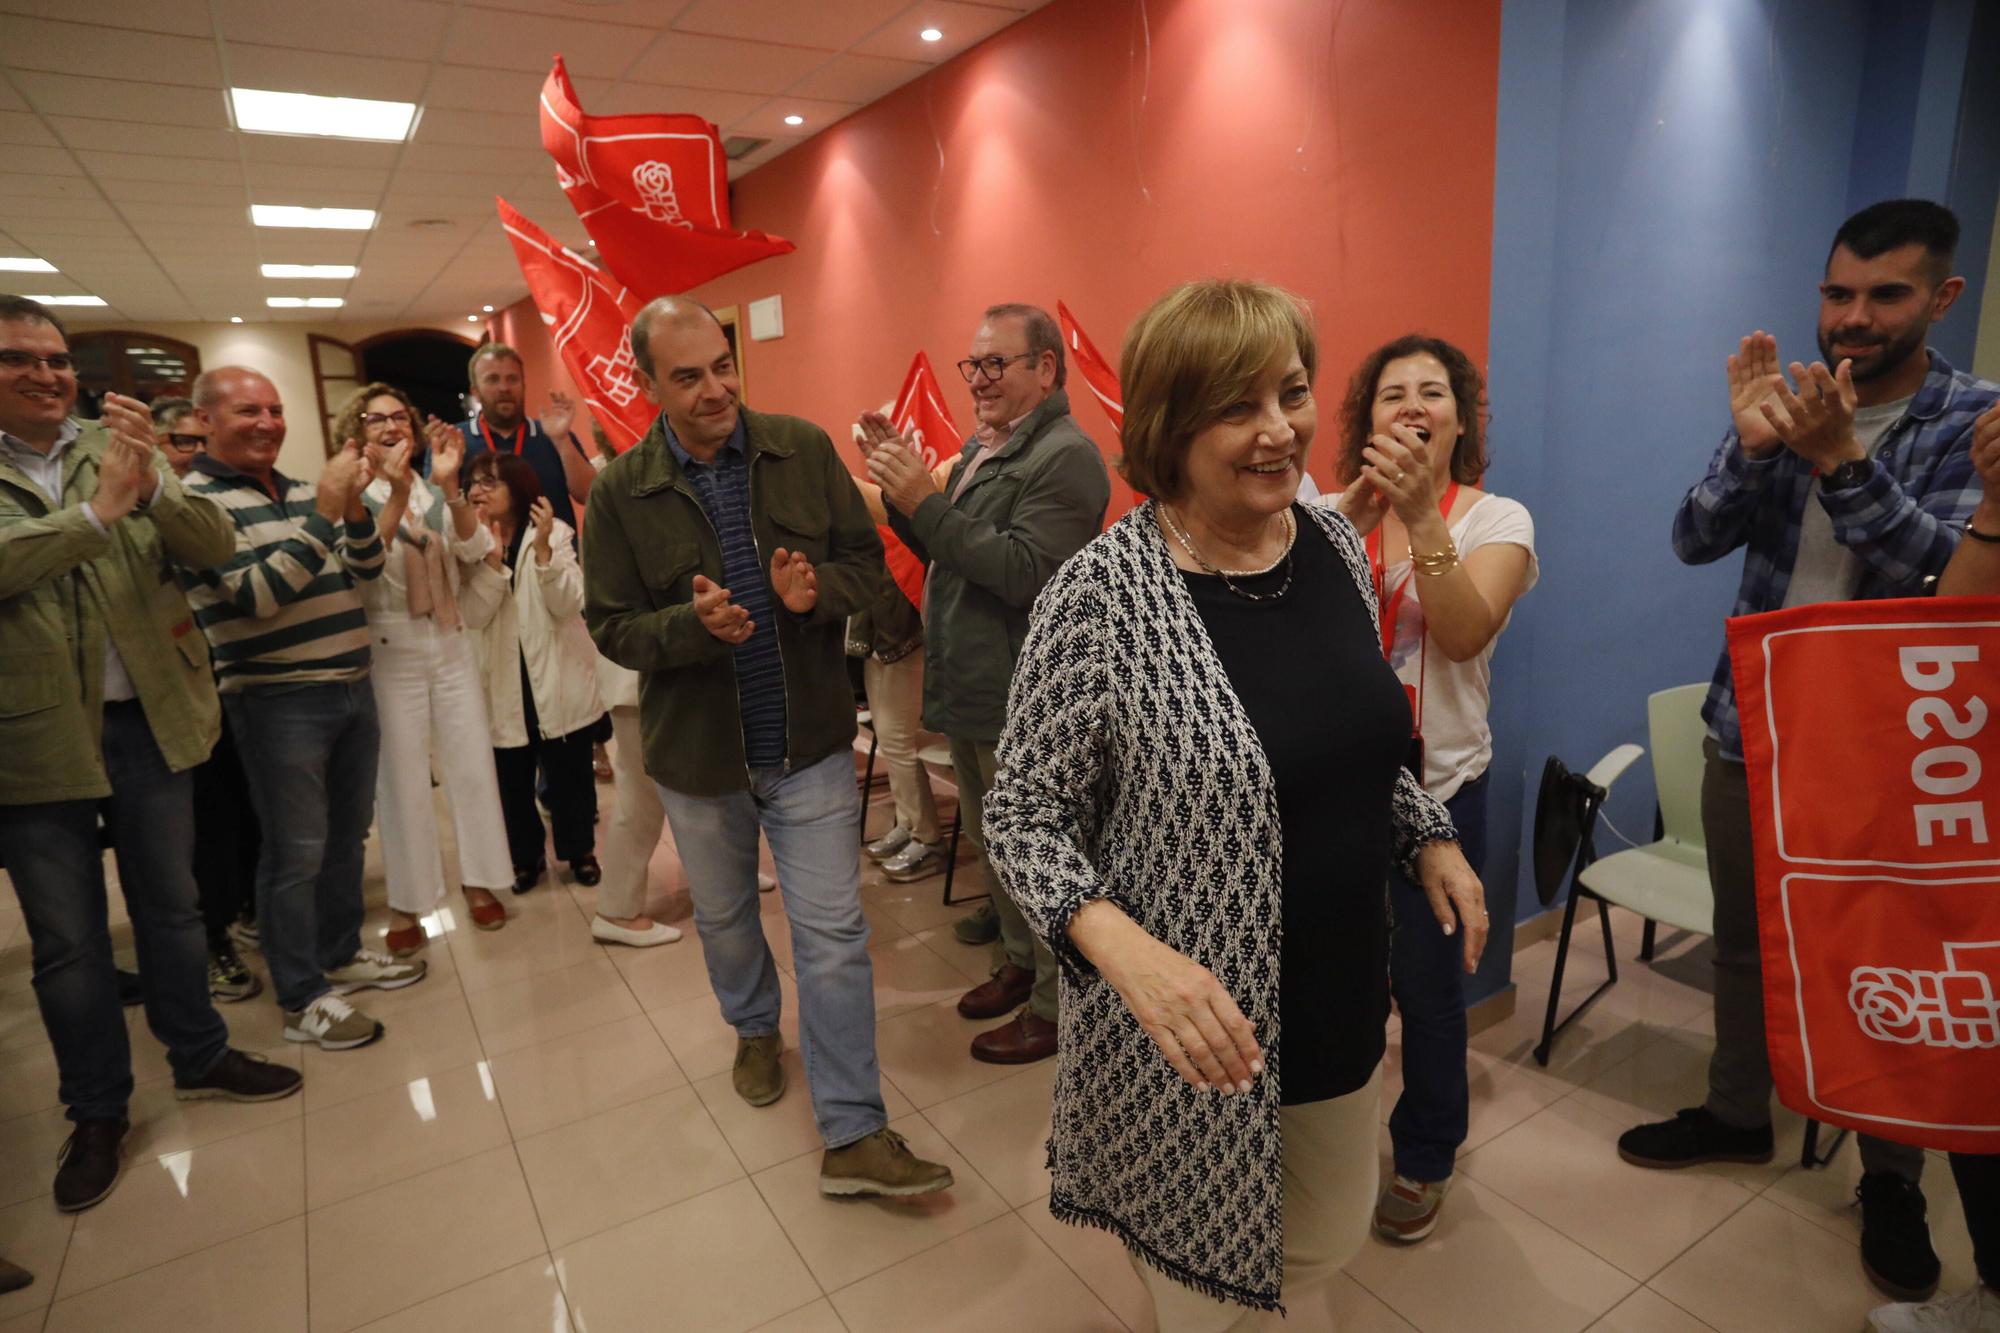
column 1845, row 476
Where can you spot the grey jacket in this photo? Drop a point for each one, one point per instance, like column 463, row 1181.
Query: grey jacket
column 1030, row 507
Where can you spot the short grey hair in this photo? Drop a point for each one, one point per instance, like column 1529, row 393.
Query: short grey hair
column 167, row 412
column 683, row 308
column 1044, row 334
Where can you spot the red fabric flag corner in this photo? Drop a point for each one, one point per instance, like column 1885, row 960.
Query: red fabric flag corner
column 652, row 191
column 1096, row 371
column 921, row 416
column 589, row 321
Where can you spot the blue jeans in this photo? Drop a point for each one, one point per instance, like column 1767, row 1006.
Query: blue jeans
column 814, row 827
column 54, row 855
column 309, row 752
column 1427, row 977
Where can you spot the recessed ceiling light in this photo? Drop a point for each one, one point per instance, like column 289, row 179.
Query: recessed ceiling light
column 309, row 270
column 68, row 300
column 261, row 111
column 27, row 266
column 487, row 308
column 304, row 302
column 472, row 319
column 329, row 219
column 795, row 120
column 931, row 35
column 236, row 319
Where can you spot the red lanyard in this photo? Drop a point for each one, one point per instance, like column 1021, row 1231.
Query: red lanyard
column 1391, row 606
column 520, row 436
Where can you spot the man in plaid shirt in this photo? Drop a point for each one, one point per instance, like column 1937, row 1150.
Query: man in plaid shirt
column 1845, row 484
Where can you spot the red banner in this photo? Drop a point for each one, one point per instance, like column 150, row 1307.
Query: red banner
column 652, row 191
column 1096, row 371
column 589, row 322
column 1865, row 729
column 922, row 418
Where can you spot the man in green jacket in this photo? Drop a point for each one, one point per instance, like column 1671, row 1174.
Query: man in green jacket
column 106, row 703
column 1027, row 492
column 722, row 555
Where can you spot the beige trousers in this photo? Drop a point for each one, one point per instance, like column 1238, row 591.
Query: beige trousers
column 636, row 821
column 896, row 699
column 1331, row 1175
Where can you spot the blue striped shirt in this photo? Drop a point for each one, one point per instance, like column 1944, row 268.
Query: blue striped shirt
column 1903, row 521
column 723, row 489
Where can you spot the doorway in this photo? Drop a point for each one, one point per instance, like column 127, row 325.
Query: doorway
column 427, row 364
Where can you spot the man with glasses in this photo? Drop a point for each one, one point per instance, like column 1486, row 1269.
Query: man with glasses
column 181, row 433
column 1029, row 489
column 106, row 702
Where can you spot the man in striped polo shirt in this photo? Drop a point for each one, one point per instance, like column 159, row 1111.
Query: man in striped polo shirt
column 291, row 652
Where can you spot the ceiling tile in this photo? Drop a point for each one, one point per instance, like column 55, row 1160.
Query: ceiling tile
column 11, row 100
column 15, row 184
column 692, row 61
column 50, row 233
column 79, row 48
column 145, row 167
column 531, row 42
column 182, row 209
column 122, row 192
column 353, row 27
column 291, row 70
column 125, row 136
column 30, row 159
column 779, row 144
column 119, row 99
column 860, row 79
column 964, row 26
column 20, row 127
column 326, row 247
column 639, row 13
column 479, row 129
column 831, row 25
column 270, row 179
column 640, row 99
column 294, row 150
column 461, row 87
column 189, row 18
column 769, row 119
column 489, row 163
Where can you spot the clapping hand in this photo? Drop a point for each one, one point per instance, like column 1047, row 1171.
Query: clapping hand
column 392, row 465
column 562, row 412
column 1398, row 465
column 341, row 482
column 718, row 615
column 1986, row 452
column 447, row 453
column 893, row 464
column 1754, row 381
column 131, row 428
column 1817, row 422
column 794, row 580
column 543, row 515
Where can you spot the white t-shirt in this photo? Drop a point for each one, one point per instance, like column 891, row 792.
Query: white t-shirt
column 1824, row 570
column 1458, row 743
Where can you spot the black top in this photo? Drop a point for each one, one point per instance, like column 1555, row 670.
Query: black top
column 1335, row 723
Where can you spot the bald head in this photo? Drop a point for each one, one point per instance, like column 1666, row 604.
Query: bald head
column 245, row 418
column 666, row 312
column 687, row 367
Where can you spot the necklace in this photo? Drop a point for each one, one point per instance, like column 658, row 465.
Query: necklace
column 1229, row 575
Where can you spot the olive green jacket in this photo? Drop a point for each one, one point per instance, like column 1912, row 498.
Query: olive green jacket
column 645, row 537
column 63, row 588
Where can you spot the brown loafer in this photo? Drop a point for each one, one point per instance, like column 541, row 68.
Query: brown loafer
column 1021, row 1042
column 1002, row 993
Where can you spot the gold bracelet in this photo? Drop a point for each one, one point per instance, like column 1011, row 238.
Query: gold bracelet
column 1435, row 564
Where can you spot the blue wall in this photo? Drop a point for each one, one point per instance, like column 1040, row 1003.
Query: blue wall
column 1668, row 177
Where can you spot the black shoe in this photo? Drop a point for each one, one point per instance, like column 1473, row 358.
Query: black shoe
column 528, row 878
column 241, row 1077
column 13, row 1277
column 88, row 1164
column 131, row 990
column 1693, row 1136
column 1896, row 1248
column 585, row 871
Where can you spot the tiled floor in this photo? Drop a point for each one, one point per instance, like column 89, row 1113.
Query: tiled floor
column 547, row 1140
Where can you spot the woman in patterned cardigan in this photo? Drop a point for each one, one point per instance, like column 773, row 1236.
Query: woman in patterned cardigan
column 1201, row 792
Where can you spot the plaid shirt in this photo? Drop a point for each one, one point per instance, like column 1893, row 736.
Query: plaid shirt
column 1903, row 521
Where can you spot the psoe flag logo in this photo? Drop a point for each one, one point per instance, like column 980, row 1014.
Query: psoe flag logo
column 654, row 180
column 1954, row 1008
column 615, row 374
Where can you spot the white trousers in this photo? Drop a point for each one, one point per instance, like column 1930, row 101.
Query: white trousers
column 432, row 702
column 1331, row 1176
column 896, row 701
column 636, row 822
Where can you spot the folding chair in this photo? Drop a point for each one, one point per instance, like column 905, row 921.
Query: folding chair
column 939, row 756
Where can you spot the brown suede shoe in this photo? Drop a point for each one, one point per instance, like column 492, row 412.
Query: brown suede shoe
column 1005, row 991
column 758, row 1077
column 882, row 1163
column 1021, row 1042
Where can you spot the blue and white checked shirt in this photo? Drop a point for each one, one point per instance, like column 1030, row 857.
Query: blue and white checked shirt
column 1903, row 521
column 723, row 489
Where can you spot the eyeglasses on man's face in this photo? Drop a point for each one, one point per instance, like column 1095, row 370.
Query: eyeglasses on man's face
column 990, row 367
column 377, row 420
column 185, row 443
column 14, row 360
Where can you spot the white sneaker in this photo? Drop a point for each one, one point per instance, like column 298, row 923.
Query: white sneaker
column 371, row 969
column 1975, row 1311
column 332, row 1023
column 765, row 883
column 888, row 844
column 610, row 932
column 916, row 861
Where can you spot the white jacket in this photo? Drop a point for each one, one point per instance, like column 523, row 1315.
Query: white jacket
column 542, row 622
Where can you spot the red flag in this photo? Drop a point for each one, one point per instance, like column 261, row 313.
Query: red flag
column 589, row 321
column 1878, row 877
column 904, row 566
column 921, row 416
column 652, row 191
column 1096, row 371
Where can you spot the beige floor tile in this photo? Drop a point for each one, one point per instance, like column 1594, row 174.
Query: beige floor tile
column 423, row 1041
column 543, row 934
column 391, row 1135
column 24, row 1323
column 702, row 1044
column 551, row 1004
column 719, row 1258
column 1597, row 1040
column 554, row 1082
column 28, row 1146
column 928, row 1054
column 1098, row 1257
column 34, row 1236
column 523, row 1299
column 1646, row 1311
column 162, row 1123
column 28, row 1080
column 1562, row 1166
column 1768, row 1270
column 1341, row 1303
column 181, row 1202
column 256, row 1281
column 1826, row 1196
column 909, row 976
column 665, row 974
column 815, row 1318
column 974, row 962
column 1503, row 1094
column 1000, row 1276
column 1488, row 1256
column 919, row 906
column 1003, row 1130
column 387, row 1250
column 594, row 1173
column 844, row 1240
column 763, row 1136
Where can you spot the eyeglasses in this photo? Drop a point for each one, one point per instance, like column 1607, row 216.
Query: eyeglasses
column 62, row 363
column 377, row 420
column 990, row 367
column 186, row 442
column 478, row 482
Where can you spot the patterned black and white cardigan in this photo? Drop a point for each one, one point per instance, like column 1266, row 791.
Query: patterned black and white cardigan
column 1129, row 771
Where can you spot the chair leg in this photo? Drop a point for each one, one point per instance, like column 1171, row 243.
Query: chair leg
column 951, row 857
column 1646, row 941
column 1610, row 951
column 1810, row 1157
column 868, row 780
column 1550, row 1026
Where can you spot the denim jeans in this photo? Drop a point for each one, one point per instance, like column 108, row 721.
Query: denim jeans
column 309, row 752
column 54, row 856
column 1427, row 979
column 226, row 839
column 813, row 824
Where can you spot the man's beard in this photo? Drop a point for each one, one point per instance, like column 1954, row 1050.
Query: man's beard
column 508, row 414
column 1884, row 358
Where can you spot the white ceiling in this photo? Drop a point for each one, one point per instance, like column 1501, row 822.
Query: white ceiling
column 118, row 164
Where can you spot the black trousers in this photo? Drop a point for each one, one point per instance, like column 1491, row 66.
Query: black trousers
column 226, row 840
column 569, row 785
column 1979, row 1194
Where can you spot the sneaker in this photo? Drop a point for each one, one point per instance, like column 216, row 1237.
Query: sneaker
column 1975, row 1311
column 228, row 980
column 332, row 1023
column 916, row 861
column 371, row 969
column 1896, row 1248
column 1693, row 1136
column 759, row 1075
column 888, row 844
column 1408, row 1209
column 241, row 1077
column 244, row 932
column 882, row 1163
column 979, row 926
column 88, row 1163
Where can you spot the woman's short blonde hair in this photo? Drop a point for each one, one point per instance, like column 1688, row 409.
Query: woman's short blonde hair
column 347, row 421
column 1198, row 349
